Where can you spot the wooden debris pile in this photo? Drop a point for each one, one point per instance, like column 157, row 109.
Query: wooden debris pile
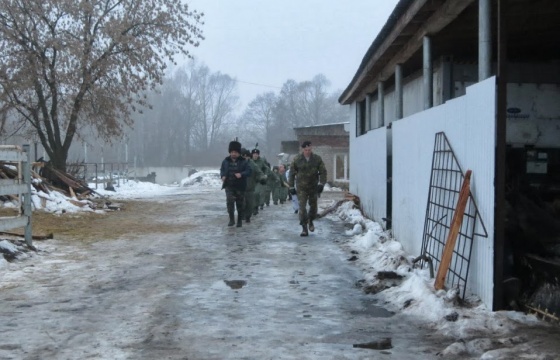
column 47, row 180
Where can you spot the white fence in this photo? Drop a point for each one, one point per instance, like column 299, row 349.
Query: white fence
column 17, row 188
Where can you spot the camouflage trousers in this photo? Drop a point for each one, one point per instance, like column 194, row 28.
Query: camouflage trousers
column 250, row 204
column 265, row 195
column 279, row 193
column 304, row 197
column 235, row 199
column 258, row 191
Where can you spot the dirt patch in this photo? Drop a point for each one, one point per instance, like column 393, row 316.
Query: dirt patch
column 136, row 218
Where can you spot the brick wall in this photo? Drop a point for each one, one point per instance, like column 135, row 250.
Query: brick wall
column 327, row 141
column 328, row 153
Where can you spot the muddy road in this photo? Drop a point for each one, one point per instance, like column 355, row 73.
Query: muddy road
column 167, row 279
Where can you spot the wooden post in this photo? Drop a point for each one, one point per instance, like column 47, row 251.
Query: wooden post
column 72, row 193
column 453, row 232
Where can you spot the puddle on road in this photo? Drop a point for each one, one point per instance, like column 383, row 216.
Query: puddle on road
column 235, row 284
column 382, row 344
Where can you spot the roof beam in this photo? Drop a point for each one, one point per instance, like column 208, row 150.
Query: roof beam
column 399, row 27
column 444, row 15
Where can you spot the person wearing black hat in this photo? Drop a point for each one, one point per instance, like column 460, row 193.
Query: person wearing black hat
column 234, row 173
column 311, row 174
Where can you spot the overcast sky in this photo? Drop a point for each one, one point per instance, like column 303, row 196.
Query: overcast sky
column 270, row 41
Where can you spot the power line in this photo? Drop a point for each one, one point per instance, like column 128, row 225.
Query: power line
column 257, row 84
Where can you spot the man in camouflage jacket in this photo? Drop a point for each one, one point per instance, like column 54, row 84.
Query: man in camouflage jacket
column 311, row 174
column 257, row 177
column 280, row 192
column 273, row 183
column 260, row 188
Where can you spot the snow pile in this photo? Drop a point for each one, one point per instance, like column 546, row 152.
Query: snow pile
column 399, row 286
column 132, row 189
column 58, row 203
column 13, row 249
column 331, row 188
column 206, row 178
column 6, row 246
column 53, row 202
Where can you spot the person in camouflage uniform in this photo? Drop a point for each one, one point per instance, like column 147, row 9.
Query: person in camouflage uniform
column 234, row 173
column 257, row 176
column 259, row 189
column 273, row 183
column 311, row 175
column 267, row 188
column 280, row 192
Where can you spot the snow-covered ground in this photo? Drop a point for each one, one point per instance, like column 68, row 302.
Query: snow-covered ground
column 375, row 250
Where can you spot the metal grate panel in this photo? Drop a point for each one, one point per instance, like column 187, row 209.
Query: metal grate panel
column 445, row 184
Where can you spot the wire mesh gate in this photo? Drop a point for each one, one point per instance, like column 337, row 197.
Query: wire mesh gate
column 445, row 184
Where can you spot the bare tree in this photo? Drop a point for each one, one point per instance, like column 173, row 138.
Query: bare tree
column 258, row 121
column 192, row 112
column 217, row 98
column 290, row 108
column 66, row 63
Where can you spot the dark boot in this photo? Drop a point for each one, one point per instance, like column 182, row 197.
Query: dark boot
column 304, row 231
column 231, row 220
column 311, row 226
column 248, row 219
column 239, row 221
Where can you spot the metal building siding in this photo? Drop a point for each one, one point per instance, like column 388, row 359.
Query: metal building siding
column 353, row 148
column 368, row 172
column 469, row 124
column 388, row 110
column 413, row 101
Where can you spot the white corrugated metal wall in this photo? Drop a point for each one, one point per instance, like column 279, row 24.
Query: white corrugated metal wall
column 368, row 170
column 469, row 124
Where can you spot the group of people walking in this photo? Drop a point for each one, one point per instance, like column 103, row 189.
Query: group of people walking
column 250, row 183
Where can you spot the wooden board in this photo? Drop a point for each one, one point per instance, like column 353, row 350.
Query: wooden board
column 453, row 232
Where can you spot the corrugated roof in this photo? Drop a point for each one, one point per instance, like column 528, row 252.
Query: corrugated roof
column 398, row 11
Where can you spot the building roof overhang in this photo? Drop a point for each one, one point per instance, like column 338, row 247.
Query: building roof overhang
column 533, row 30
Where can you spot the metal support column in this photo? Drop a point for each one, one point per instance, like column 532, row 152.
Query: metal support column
column 447, row 88
column 368, row 113
column 484, row 40
column 380, row 104
column 26, row 168
column 500, row 177
column 398, row 92
column 428, row 73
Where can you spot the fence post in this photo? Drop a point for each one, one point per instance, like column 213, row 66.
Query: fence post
column 27, row 199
